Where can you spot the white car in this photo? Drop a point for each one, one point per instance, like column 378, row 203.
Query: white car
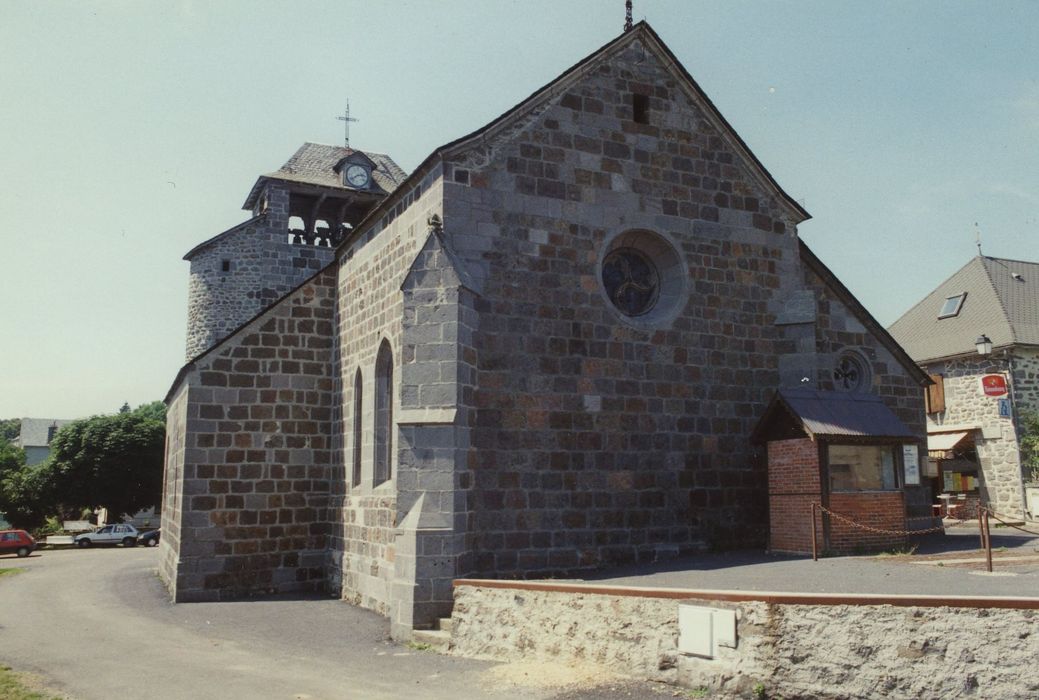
column 109, row 534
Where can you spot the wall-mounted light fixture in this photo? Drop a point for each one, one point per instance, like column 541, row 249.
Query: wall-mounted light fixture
column 983, row 344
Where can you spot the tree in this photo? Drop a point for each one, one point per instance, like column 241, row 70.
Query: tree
column 23, row 490
column 112, row 462
column 11, row 458
column 1029, row 426
column 10, row 428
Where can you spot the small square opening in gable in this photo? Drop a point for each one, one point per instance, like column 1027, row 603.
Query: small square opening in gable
column 225, row 265
column 640, row 108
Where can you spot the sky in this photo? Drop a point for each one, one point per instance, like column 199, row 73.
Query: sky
column 131, row 130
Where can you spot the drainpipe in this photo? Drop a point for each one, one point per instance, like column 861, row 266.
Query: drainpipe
column 1017, row 430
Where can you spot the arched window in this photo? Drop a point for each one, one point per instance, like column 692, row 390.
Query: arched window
column 356, row 478
column 383, row 413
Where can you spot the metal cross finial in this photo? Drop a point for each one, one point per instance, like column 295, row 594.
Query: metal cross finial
column 347, row 119
column 627, row 15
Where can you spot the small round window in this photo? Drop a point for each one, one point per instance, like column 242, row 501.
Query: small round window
column 631, row 280
column 643, row 278
column 851, row 373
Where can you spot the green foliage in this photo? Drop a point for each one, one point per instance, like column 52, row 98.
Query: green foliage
column 1028, row 423
column 52, row 526
column 25, row 495
column 11, row 458
column 10, row 427
column 112, row 462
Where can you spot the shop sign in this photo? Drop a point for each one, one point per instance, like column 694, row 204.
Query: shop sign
column 911, row 461
column 994, row 385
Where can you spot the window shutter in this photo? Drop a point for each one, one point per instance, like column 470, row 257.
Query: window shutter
column 936, row 394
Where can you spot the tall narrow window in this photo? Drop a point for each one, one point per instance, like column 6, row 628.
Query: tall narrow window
column 383, row 413
column 356, row 478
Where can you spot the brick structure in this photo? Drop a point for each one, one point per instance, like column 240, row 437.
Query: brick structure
column 550, row 345
column 793, row 485
column 843, row 452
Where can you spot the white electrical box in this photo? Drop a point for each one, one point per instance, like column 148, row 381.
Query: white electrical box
column 701, row 630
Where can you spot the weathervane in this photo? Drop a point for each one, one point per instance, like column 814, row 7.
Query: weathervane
column 627, row 15
column 347, row 119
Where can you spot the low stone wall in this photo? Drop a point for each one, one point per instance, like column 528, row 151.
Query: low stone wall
column 818, row 646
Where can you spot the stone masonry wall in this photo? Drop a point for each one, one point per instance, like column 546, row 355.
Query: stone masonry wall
column 600, row 438
column 264, row 266
column 173, row 486
column 850, row 652
column 1026, row 378
column 365, row 516
column 840, row 330
column 793, row 485
column 254, row 487
column 967, row 405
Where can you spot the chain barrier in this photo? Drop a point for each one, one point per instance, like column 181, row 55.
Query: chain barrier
column 1000, row 517
column 881, row 531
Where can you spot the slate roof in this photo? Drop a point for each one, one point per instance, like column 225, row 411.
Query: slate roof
column 314, row 164
column 835, row 415
column 34, row 431
column 1002, row 302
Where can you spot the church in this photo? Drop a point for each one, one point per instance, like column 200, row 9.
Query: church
column 545, row 350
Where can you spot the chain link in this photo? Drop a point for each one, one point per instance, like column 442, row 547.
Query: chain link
column 883, row 531
column 999, row 517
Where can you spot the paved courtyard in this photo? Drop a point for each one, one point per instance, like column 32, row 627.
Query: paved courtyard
column 950, row 565
column 97, row 624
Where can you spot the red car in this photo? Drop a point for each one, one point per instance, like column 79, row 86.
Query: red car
column 17, row 542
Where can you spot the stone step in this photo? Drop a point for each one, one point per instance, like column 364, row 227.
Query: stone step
column 438, row 640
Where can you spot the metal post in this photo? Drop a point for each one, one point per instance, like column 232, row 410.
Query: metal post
column 988, row 542
column 815, row 545
column 981, row 524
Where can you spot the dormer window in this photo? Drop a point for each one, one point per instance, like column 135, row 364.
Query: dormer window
column 952, row 305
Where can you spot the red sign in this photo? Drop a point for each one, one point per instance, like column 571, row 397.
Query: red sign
column 994, row 385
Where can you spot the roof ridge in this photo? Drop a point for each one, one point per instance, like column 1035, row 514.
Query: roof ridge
column 1013, row 260
column 999, row 298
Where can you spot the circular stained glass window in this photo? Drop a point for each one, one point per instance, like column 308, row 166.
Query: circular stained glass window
column 850, row 374
column 631, row 281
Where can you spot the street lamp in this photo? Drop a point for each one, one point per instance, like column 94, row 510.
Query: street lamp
column 983, row 344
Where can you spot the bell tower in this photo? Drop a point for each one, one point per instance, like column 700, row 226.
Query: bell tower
column 300, row 213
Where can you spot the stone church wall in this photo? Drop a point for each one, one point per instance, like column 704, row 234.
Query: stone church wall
column 248, row 463
column 598, row 438
column 841, row 331
column 371, row 309
column 263, row 267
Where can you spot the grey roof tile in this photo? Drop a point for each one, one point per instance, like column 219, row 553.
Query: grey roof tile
column 34, row 431
column 314, row 164
column 1002, row 302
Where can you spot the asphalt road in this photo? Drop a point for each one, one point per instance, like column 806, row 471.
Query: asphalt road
column 97, row 624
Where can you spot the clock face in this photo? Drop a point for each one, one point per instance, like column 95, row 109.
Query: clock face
column 357, row 175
